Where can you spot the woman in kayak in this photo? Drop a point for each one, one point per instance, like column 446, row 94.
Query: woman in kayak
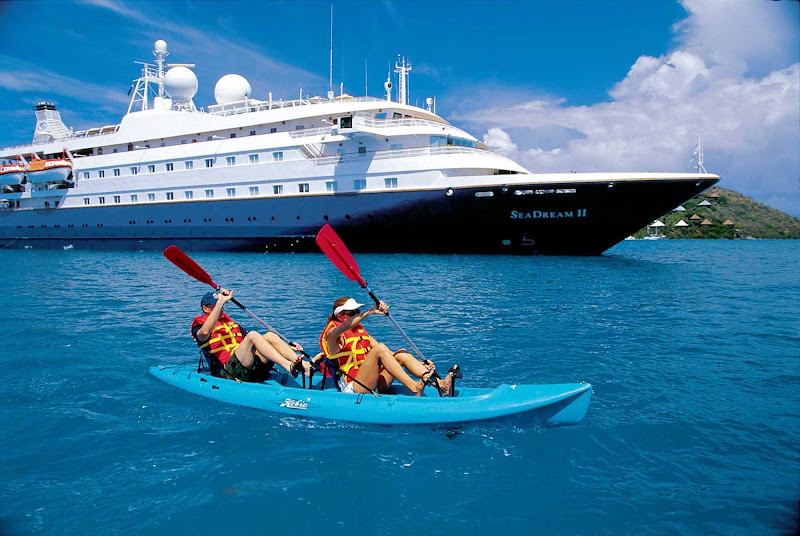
column 360, row 357
column 236, row 354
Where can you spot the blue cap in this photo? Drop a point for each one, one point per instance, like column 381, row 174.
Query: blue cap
column 209, row 299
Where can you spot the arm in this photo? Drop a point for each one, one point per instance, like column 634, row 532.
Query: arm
column 334, row 334
column 213, row 316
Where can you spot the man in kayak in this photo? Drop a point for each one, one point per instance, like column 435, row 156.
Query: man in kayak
column 235, row 353
column 360, row 357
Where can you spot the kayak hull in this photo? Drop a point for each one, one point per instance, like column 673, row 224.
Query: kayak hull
column 534, row 405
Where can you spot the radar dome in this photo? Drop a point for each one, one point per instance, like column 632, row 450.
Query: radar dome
column 232, row 88
column 161, row 46
column 180, row 83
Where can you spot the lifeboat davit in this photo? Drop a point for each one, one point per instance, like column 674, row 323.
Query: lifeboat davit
column 50, row 170
column 11, row 175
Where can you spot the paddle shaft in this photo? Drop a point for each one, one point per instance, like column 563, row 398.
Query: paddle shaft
column 395, row 324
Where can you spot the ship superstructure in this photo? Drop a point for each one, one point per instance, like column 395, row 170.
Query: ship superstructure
column 266, row 174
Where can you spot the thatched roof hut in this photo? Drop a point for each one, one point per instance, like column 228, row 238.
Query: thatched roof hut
column 695, row 218
column 681, row 224
column 728, row 222
column 706, row 222
column 704, row 203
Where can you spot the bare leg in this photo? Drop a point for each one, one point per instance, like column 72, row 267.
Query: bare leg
column 418, row 369
column 369, row 371
column 254, row 345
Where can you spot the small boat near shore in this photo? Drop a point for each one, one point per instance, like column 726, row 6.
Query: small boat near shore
column 525, row 405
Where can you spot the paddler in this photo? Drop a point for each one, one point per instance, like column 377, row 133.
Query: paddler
column 236, row 354
column 345, row 341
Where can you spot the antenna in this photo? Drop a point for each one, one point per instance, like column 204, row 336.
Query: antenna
column 700, row 167
column 366, row 86
column 330, row 77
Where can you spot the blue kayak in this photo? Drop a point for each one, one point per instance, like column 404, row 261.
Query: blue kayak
column 551, row 404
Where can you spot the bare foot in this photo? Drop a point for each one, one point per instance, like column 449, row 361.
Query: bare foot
column 418, row 388
column 445, row 383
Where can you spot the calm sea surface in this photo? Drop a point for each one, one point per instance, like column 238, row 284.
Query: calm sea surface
column 693, row 348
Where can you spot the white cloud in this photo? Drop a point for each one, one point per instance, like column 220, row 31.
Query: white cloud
column 715, row 83
column 498, row 140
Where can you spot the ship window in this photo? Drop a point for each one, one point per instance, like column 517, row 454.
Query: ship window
column 85, row 174
column 117, row 199
column 209, row 194
column 151, row 197
column 151, row 168
column 134, row 198
column 209, row 162
column 101, row 200
column 134, row 170
column 170, row 196
column 303, row 187
column 359, row 184
column 362, row 150
column 170, row 166
column 115, row 150
column 299, row 127
column 273, row 130
column 346, row 121
column 130, row 147
column 277, row 189
column 254, row 159
column 438, row 140
column 254, row 190
column 397, row 146
column 188, row 194
column 231, row 192
column 210, row 138
column 277, row 156
column 252, row 132
column 391, row 182
column 380, row 116
column 231, row 161
column 101, row 174
column 189, row 164
column 116, row 172
column 233, row 134
column 86, row 201
column 397, row 115
column 330, row 186
column 183, row 142
column 340, row 150
column 163, row 144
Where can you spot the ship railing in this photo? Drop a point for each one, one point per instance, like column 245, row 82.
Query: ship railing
column 400, row 122
column 90, row 133
column 253, row 105
column 399, row 153
column 304, row 132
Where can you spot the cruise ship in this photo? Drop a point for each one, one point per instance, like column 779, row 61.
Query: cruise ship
column 265, row 174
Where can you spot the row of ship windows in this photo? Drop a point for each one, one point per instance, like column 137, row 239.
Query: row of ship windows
column 277, row 156
column 330, row 186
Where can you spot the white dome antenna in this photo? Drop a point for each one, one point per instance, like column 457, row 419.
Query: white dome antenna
column 180, row 84
column 232, row 88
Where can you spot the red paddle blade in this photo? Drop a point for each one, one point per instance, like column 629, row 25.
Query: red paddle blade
column 185, row 263
column 333, row 248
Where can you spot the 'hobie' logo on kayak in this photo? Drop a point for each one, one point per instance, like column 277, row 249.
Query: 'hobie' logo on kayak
column 543, row 214
column 294, row 404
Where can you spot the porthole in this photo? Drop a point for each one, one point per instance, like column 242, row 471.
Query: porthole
column 347, row 217
column 298, row 218
column 325, row 217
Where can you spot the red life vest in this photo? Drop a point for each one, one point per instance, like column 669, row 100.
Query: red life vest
column 355, row 344
column 224, row 338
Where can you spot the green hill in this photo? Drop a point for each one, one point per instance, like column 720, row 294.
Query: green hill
column 745, row 217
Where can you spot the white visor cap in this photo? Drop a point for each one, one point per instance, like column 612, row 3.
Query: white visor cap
column 349, row 305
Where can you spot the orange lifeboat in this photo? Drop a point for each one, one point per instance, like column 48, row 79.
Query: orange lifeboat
column 50, row 170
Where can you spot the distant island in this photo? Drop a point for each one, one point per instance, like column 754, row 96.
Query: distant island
column 722, row 213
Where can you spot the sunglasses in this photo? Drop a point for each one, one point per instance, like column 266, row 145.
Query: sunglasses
column 351, row 313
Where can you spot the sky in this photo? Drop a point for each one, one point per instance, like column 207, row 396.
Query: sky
column 556, row 85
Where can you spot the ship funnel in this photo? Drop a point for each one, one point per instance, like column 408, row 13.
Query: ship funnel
column 49, row 126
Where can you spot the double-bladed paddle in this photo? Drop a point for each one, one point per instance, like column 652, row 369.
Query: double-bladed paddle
column 333, row 248
column 180, row 259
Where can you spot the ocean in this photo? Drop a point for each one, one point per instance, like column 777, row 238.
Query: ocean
column 692, row 348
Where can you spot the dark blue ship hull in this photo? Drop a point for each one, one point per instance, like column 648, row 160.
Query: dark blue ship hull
column 556, row 219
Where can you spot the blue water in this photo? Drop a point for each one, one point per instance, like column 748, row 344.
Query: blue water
column 693, row 348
